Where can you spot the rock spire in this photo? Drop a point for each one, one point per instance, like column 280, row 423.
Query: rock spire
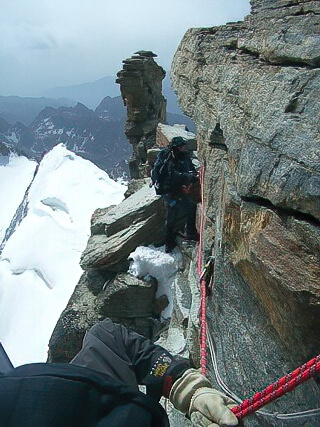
column 141, row 89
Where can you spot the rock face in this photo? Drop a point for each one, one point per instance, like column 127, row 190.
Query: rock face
column 141, row 89
column 252, row 89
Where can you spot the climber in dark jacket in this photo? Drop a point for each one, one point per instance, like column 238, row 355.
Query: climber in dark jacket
column 180, row 203
column 100, row 387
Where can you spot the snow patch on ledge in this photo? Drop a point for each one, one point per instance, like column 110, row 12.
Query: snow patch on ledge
column 164, row 267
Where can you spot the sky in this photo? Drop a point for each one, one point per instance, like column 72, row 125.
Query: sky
column 46, row 44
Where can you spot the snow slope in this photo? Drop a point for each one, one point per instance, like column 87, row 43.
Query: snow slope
column 39, row 266
column 16, row 173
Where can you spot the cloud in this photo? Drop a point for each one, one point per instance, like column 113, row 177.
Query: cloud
column 36, row 38
column 70, row 41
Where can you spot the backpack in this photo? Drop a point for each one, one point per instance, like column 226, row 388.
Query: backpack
column 65, row 395
column 160, row 173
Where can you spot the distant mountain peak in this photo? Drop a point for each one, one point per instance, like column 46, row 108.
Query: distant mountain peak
column 90, row 93
column 94, row 135
column 4, row 125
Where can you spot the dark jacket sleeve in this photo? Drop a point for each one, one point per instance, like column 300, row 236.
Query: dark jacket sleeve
column 129, row 357
column 154, row 366
column 181, row 172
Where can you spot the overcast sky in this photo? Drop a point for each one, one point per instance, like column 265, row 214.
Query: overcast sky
column 49, row 43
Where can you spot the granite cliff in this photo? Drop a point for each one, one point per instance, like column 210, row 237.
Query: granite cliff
column 252, row 89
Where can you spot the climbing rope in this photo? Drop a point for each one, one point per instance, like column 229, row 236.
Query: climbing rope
column 203, row 311
column 284, row 385
column 276, row 416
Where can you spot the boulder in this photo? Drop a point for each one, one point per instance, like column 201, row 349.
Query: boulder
column 128, row 297
column 138, row 220
column 79, row 315
column 123, row 298
column 135, row 185
column 165, row 133
column 138, row 207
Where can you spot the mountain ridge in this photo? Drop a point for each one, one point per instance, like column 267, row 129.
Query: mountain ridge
column 24, row 109
column 91, row 94
column 97, row 135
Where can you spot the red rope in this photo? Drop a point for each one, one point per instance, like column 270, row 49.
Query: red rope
column 277, row 389
column 203, row 328
column 203, row 314
column 200, row 247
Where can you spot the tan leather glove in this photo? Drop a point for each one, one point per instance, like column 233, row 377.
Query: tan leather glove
column 192, row 394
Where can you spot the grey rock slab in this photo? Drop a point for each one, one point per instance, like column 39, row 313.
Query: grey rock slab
column 138, row 207
column 105, row 252
column 268, row 114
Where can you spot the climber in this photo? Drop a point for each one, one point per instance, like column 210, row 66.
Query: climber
column 100, row 387
column 178, row 180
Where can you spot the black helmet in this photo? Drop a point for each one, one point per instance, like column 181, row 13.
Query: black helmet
column 177, row 141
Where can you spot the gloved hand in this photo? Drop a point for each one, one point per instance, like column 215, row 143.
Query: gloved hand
column 192, row 394
column 186, row 189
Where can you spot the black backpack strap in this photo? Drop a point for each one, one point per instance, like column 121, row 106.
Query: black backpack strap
column 115, row 393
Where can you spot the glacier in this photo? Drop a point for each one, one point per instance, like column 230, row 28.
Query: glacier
column 39, row 263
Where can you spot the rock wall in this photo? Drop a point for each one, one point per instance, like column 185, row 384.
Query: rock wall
column 253, row 88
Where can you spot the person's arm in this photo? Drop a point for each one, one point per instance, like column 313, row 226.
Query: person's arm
column 112, row 349
column 188, row 390
column 162, row 373
column 180, row 179
column 153, row 365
